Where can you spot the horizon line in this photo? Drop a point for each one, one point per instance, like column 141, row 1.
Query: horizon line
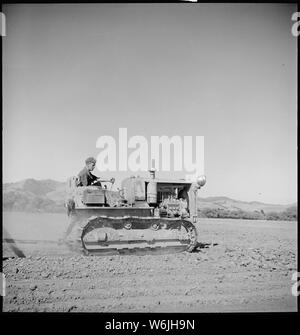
column 212, row 196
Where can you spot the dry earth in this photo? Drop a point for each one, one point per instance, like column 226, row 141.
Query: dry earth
column 240, row 266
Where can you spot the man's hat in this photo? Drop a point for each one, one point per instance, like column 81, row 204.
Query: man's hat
column 90, row 160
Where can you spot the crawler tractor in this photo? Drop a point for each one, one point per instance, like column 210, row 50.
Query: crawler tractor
column 146, row 214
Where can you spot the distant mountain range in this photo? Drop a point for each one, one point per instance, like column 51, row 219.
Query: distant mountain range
column 32, row 195
column 48, row 195
column 224, row 203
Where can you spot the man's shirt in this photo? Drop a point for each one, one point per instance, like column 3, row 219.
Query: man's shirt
column 85, row 177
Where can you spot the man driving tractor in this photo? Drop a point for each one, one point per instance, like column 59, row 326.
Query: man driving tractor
column 85, row 177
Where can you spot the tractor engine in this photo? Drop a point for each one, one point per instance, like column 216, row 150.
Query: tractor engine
column 167, row 198
column 173, row 207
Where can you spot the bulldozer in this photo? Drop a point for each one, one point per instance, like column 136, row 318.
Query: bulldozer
column 144, row 215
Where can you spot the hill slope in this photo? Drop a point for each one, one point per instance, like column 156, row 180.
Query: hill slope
column 233, row 205
column 32, row 195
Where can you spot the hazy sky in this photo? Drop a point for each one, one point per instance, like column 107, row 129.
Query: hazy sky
column 228, row 72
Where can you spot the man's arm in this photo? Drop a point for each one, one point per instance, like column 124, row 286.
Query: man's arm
column 95, row 180
column 93, row 177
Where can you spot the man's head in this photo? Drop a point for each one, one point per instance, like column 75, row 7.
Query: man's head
column 90, row 163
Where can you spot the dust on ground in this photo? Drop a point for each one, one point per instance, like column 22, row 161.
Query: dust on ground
column 239, row 266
